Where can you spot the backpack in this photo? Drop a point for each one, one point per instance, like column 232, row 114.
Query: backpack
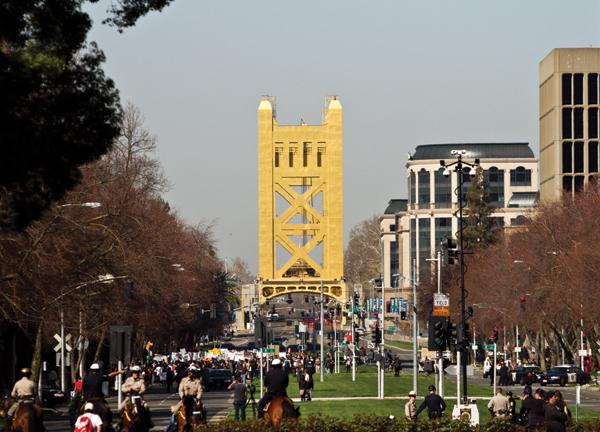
column 84, row 424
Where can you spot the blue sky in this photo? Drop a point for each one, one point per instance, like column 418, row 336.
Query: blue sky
column 407, row 73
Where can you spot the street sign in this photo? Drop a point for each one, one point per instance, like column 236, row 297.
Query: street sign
column 120, row 344
column 517, row 349
column 68, row 347
column 268, row 350
column 489, row 347
column 391, row 328
column 441, row 305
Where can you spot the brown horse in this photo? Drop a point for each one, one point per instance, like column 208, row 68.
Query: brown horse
column 28, row 417
column 279, row 408
column 134, row 417
column 102, row 409
column 190, row 413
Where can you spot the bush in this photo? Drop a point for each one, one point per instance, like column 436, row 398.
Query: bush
column 370, row 423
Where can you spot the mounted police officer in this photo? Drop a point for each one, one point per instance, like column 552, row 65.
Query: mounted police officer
column 135, row 386
column 92, row 391
column 23, row 391
column 276, row 381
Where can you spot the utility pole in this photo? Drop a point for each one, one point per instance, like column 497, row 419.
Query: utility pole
column 353, row 342
column 415, row 331
column 322, row 333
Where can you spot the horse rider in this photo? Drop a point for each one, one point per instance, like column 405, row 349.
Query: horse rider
column 92, row 391
column 191, row 385
column 135, row 386
column 23, row 391
column 276, row 381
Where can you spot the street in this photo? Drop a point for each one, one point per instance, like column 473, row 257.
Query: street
column 217, row 405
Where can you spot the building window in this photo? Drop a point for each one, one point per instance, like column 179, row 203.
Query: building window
column 593, row 123
column 518, row 221
column 443, row 229
column 276, row 158
column 566, row 89
column 520, row 177
column 412, row 187
column 578, row 156
column 578, row 89
column 320, row 153
column 566, row 123
column 593, row 157
column 592, row 88
column 567, row 157
column 424, row 189
column 567, row 184
column 291, row 158
column 393, row 228
column 466, row 179
column 394, row 263
column 424, row 241
column 305, row 153
column 578, row 122
column 443, row 189
column 579, row 179
column 495, row 180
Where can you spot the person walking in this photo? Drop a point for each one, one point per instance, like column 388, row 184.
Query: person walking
column 88, row 421
column 555, row 419
column 410, row 408
column 239, row 398
column 499, row 405
column 532, row 411
column 434, row 403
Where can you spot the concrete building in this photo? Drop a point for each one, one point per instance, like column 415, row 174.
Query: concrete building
column 569, row 102
column 415, row 228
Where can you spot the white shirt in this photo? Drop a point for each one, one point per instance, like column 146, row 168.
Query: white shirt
column 95, row 418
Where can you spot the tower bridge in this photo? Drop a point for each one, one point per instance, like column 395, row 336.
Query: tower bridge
column 300, row 201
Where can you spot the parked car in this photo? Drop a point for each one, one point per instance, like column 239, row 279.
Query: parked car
column 217, row 378
column 563, row 375
column 52, row 396
column 527, row 375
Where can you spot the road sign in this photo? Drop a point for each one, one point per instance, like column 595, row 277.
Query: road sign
column 391, row 328
column 517, row 349
column 441, row 305
column 120, row 344
column 489, row 347
column 68, row 347
column 268, row 350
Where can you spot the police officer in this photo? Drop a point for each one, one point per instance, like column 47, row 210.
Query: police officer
column 23, row 391
column 135, row 385
column 434, row 403
column 92, row 391
column 276, row 381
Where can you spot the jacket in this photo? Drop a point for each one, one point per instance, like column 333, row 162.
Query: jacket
column 435, row 406
column 276, row 381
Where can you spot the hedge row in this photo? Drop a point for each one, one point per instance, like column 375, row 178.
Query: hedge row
column 368, row 423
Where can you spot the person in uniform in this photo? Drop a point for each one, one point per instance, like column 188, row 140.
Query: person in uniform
column 190, row 385
column 410, row 408
column 136, row 386
column 276, row 381
column 92, row 391
column 434, row 403
column 23, row 391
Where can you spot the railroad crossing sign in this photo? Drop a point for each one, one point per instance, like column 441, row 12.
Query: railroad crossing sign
column 441, row 305
column 68, row 347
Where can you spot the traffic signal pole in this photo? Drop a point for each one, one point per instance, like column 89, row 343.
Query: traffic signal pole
column 463, row 351
column 415, row 332
column 353, row 342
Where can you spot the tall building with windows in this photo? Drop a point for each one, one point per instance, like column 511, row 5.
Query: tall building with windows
column 568, row 120
column 511, row 171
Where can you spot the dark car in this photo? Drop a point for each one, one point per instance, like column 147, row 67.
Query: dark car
column 527, row 375
column 52, row 396
column 217, row 378
column 563, row 375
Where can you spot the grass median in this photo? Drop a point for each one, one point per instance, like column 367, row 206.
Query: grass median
column 341, row 386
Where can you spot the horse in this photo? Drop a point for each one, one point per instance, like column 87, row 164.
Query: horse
column 27, row 418
column 134, row 417
column 279, row 408
column 102, row 409
column 190, row 413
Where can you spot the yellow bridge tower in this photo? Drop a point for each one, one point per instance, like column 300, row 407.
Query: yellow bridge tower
column 300, row 204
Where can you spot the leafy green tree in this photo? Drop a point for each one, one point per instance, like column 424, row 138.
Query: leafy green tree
column 480, row 229
column 58, row 110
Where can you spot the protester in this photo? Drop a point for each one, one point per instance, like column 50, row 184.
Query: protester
column 239, row 398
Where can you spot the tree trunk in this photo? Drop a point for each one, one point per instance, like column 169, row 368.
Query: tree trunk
column 100, row 344
column 36, row 361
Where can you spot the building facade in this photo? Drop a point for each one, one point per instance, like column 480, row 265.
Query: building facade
column 568, row 120
column 511, row 172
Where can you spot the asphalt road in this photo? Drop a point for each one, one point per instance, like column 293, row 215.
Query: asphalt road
column 217, row 405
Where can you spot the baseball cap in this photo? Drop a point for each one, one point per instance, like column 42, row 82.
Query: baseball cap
column 88, row 407
column 95, row 366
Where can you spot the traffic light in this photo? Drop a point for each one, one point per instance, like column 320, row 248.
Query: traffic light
column 450, row 250
column 437, row 333
column 356, row 298
column 452, row 334
column 376, row 335
column 403, row 315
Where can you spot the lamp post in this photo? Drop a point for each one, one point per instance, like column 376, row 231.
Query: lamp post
column 463, row 343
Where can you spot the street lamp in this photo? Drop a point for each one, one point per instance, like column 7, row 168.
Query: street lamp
column 85, row 204
column 458, row 168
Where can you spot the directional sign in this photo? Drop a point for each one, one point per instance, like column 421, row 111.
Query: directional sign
column 441, row 305
column 489, row 347
column 268, row 350
column 391, row 328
